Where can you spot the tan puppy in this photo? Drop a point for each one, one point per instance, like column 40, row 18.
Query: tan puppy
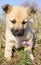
column 17, row 28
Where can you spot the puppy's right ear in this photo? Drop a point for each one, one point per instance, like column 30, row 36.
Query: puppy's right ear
column 31, row 10
column 7, row 8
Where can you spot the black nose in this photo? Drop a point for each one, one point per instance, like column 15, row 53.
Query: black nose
column 19, row 32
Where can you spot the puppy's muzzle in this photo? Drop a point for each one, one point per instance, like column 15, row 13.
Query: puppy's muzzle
column 17, row 32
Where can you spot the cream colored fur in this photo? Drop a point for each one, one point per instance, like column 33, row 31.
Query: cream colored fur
column 19, row 13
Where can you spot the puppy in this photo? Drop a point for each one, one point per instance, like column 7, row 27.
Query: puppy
column 17, row 28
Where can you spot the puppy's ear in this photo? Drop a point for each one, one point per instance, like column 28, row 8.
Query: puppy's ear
column 31, row 10
column 6, row 8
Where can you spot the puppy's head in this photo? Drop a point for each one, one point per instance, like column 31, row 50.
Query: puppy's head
column 18, row 18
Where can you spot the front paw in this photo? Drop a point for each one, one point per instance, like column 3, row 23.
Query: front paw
column 31, row 56
column 8, row 55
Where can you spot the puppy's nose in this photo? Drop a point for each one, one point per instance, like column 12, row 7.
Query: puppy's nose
column 19, row 32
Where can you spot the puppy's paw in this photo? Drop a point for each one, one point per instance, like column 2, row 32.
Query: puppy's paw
column 8, row 55
column 31, row 57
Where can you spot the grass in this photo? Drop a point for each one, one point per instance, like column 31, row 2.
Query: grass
column 21, row 59
column 24, row 57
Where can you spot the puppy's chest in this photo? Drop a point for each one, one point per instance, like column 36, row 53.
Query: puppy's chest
column 25, row 37
column 21, row 39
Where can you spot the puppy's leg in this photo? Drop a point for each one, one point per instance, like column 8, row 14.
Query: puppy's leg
column 30, row 49
column 8, row 50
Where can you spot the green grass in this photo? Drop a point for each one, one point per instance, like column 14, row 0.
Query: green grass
column 2, row 56
column 23, row 55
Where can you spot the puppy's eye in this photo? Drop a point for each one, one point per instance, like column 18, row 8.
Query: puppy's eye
column 24, row 22
column 13, row 21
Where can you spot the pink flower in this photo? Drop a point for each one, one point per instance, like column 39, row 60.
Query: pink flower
column 26, row 43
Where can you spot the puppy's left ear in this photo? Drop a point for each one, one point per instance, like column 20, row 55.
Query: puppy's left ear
column 6, row 8
column 31, row 10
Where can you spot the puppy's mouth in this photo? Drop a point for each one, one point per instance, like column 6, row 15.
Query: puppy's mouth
column 17, row 32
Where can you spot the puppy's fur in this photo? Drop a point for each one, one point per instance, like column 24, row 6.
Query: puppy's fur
column 17, row 19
